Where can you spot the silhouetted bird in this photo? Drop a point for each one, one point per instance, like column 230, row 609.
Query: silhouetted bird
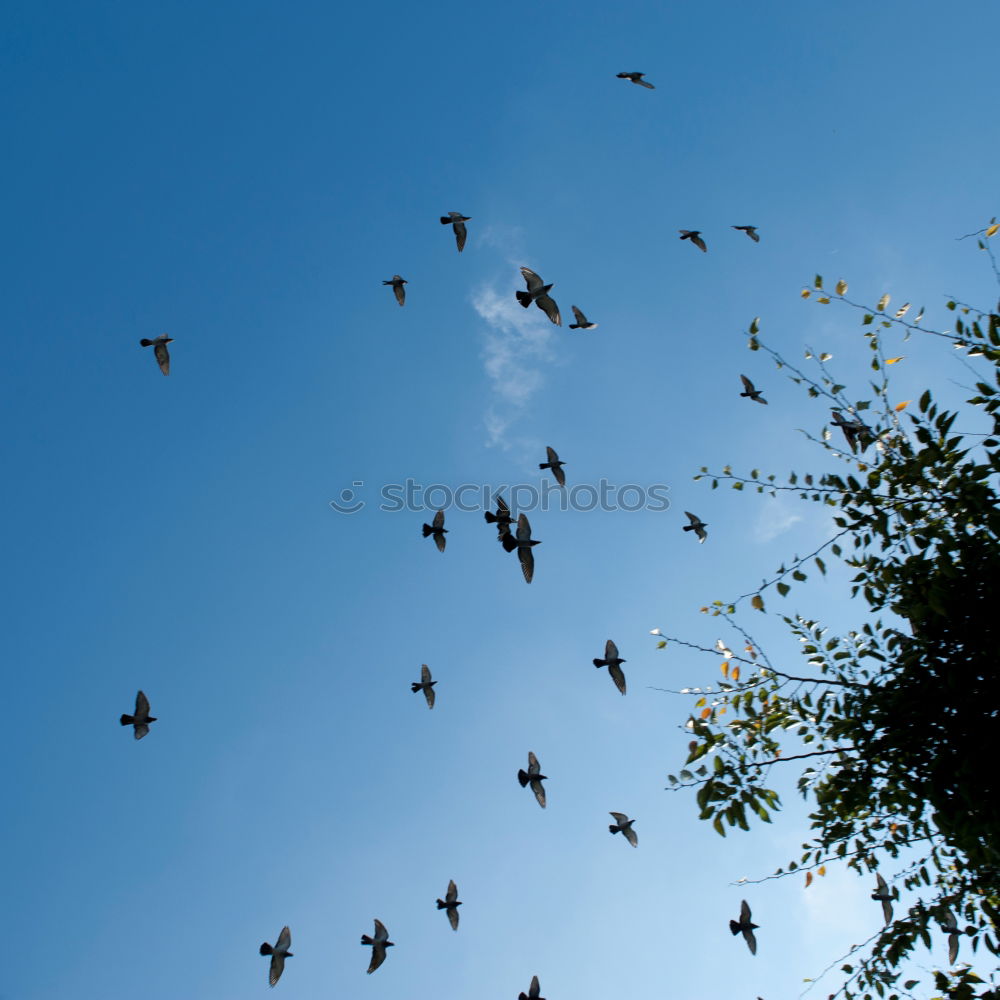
column 751, row 231
column 451, row 904
column 745, row 927
column 555, row 465
column 636, row 78
column 278, row 954
column 501, row 518
column 751, row 392
column 534, row 777
column 379, row 944
column 623, row 825
column 438, row 530
column 883, row 896
column 141, row 719
column 397, row 287
column 159, row 345
column 539, row 294
column 855, row 432
column 457, row 222
column 426, row 685
column 694, row 235
column 582, row 323
column 697, row 525
column 613, row 662
column 523, row 542
column 951, row 926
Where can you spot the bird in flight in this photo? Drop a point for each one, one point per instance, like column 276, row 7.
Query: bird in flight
column 397, row 287
column 751, row 392
column 636, row 78
column 534, row 777
column 457, row 222
column 451, row 904
column 751, row 231
column 697, row 525
column 951, row 926
column 438, row 530
column 855, row 432
column 426, row 685
column 539, row 294
column 502, row 518
column 582, row 323
column 614, row 664
column 555, row 465
column 623, row 825
column 141, row 719
column 533, row 991
column 523, row 542
column 745, row 927
column 379, row 944
column 278, row 954
column 694, row 235
column 159, row 345
column 883, row 896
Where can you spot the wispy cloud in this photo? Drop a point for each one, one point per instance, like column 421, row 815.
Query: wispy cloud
column 776, row 517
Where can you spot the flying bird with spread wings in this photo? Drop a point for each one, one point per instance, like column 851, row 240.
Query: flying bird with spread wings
column 745, row 927
column 451, row 904
column 457, row 222
column 397, row 287
column 502, row 518
column 538, row 292
column 951, row 926
column 751, row 231
column 614, row 664
column 438, row 530
column 159, row 345
column 694, row 235
column 523, row 542
column 278, row 955
column 555, row 465
column 636, row 78
column 379, row 944
column 697, row 525
column 883, row 896
column 141, row 719
column 426, row 685
column 582, row 323
column 623, row 825
column 534, row 777
column 750, row 391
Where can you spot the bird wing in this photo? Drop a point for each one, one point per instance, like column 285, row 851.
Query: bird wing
column 533, row 280
column 425, row 674
column 284, row 941
column 751, row 941
column 548, row 306
column 381, row 934
column 460, row 235
column 539, row 789
column 502, row 507
column 438, row 521
column 695, row 520
column 277, row 967
column 507, row 541
column 534, row 989
column 745, row 914
column 620, row 818
column 141, row 729
column 523, row 528
column 400, row 292
column 440, row 541
column 162, row 357
column 378, row 956
column 700, row 243
column 580, row 318
column 617, row 676
column 644, row 83
column 533, row 767
column 887, row 911
column 747, row 384
column 751, row 231
column 952, row 948
column 141, row 706
column 429, row 695
column 560, row 475
column 453, row 918
column 551, row 454
column 610, row 651
column 452, row 894
column 527, row 559
column 630, row 836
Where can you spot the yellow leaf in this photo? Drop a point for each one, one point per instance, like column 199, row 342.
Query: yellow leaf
column 809, row 879
column 882, row 302
column 661, row 644
column 706, row 712
column 736, row 673
column 894, row 361
column 826, row 356
column 725, row 668
column 902, row 406
column 699, row 703
column 805, row 293
column 902, row 310
column 992, row 231
column 757, row 602
column 824, row 299
column 841, row 287
column 703, row 610
column 821, row 870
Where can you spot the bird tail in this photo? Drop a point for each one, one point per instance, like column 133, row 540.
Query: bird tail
column 508, row 542
column 574, row 326
column 266, row 949
column 415, row 687
column 127, row 720
column 428, row 529
column 365, row 939
column 734, row 927
column 600, row 663
column 523, row 777
column 441, row 904
column 687, row 527
column 445, row 220
column 491, row 518
column 613, row 829
column 145, row 343
column 524, row 298
column 544, row 465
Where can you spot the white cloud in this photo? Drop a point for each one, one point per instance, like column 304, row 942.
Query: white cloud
column 776, row 517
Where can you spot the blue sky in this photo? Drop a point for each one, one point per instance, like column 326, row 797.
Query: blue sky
column 244, row 177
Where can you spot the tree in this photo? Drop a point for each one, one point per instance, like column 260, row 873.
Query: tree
column 893, row 728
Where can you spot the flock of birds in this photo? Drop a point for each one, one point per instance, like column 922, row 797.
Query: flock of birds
column 516, row 536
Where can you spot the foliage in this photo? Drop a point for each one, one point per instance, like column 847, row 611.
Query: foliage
column 893, row 727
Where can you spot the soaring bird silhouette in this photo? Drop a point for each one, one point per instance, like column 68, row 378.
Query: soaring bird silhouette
column 438, row 530
column 614, row 664
column 751, row 231
column 379, row 944
column 745, row 927
column 502, row 518
column 278, row 954
column 534, row 777
column 751, row 392
column 426, row 685
column 141, row 719
column 397, row 287
column 523, row 542
column 694, row 235
column 582, row 323
column 855, row 431
column 697, row 525
column 623, row 825
column 159, row 345
column 451, row 904
column 555, row 465
column 539, row 294
column 457, row 222
column 882, row 895
column 636, row 78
